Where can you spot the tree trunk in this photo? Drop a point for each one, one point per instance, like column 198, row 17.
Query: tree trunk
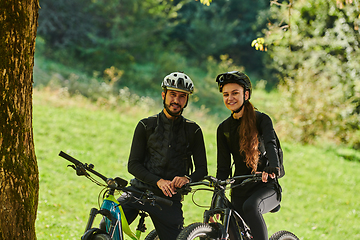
column 19, row 177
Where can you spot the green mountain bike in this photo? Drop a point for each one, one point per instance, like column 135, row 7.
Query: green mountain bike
column 111, row 211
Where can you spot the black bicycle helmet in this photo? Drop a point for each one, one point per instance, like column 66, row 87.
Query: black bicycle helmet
column 234, row 77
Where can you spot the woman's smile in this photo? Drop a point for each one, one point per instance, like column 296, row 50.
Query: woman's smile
column 233, row 95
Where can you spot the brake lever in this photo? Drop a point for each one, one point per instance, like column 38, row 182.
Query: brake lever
column 80, row 171
column 154, row 204
column 72, row 166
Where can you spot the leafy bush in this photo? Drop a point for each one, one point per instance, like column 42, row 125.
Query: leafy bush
column 315, row 51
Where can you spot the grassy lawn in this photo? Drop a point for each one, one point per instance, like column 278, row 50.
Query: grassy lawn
column 320, row 194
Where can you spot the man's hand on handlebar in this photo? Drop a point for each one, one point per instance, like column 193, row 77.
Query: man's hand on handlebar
column 178, row 182
column 169, row 187
column 166, row 188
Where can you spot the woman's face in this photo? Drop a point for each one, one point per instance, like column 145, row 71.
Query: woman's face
column 233, row 96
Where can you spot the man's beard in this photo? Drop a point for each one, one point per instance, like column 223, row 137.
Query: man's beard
column 172, row 113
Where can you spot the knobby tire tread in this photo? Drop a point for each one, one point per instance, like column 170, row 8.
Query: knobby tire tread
column 201, row 230
column 283, row 235
column 152, row 235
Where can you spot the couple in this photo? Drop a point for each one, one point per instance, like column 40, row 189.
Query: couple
column 167, row 147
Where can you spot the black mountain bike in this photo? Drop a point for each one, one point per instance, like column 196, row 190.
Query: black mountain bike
column 230, row 220
column 110, row 210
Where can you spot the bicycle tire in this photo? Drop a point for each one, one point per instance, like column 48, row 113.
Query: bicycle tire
column 152, row 235
column 101, row 236
column 200, row 231
column 283, row 235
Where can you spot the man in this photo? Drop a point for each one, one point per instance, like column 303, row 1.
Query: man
column 164, row 149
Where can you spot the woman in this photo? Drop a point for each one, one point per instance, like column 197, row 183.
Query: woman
column 238, row 136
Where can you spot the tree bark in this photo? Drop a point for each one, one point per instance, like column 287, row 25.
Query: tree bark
column 19, row 177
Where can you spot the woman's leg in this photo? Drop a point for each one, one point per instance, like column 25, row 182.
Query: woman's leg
column 260, row 202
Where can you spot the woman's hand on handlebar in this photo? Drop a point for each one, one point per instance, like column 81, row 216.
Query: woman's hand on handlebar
column 271, row 172
column 265, row 176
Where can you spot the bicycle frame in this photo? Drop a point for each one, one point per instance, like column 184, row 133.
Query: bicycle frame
column 220, row 204
column 115, row 220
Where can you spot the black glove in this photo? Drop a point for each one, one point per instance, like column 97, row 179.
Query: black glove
column 271, row 170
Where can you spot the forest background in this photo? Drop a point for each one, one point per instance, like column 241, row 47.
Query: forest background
column 311, row 57
column 303, row 55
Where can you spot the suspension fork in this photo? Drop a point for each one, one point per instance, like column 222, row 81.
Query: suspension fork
column 226, row 223
column 93, row 213
column 225, row 218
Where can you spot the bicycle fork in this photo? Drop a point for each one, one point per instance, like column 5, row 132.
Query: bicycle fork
column 227, row 225
column 105, row 213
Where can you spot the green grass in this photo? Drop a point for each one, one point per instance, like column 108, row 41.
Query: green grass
column 320, row 194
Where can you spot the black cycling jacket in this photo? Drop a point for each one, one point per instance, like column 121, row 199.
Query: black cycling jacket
column 150, row 161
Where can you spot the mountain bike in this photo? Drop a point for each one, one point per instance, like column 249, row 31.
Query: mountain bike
column 230, row 219
column 111, row 211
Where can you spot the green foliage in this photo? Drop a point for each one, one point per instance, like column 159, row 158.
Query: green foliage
column 315, row 51
column 99, row 34
column 224, row 27
column 312, row 48
column 104, row 33
column 320, row 190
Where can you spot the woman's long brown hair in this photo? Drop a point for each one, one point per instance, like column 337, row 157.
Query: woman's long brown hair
column 249, row 137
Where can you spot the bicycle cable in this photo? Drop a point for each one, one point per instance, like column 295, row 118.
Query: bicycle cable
column 193, row 200
column 95, row 181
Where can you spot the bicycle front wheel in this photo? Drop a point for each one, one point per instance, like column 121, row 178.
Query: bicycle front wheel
column 152, row 235
column 200, row 231
column 283, row 235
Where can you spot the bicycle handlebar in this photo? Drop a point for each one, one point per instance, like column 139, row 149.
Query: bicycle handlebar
column 117, row 183
column 216, row 183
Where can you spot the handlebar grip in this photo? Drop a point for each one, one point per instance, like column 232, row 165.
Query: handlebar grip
column 163, row 201
column 70, row 158
column 121, row 182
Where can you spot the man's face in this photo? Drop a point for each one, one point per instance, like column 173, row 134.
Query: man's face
column 175, row 101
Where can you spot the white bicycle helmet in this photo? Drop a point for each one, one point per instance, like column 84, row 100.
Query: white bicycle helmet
column 179, row 82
